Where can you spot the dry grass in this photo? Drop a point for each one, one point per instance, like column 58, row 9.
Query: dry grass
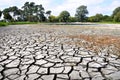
column 97, row 43
column 98, row 40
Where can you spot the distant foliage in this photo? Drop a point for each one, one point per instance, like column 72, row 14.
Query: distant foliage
column 96, row 18
column 0, row 13
column 72, row 19
column 53, row 18
column 8, row 17
column 64, row 16
column 48, row 13
column 29, row 12
column 116, row 11
column 100, row 18
column 117, row 17
column 116, row 14
column 107, row 18
column 81, row 13
column 32, row 12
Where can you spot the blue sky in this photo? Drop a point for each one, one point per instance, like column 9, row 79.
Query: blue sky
column 56, row 6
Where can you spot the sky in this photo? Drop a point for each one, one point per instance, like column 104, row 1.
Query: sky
column 105, row 7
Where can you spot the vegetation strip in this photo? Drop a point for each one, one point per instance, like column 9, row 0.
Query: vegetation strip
column 31, row 13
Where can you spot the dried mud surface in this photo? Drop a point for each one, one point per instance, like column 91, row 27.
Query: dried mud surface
column 60, row 52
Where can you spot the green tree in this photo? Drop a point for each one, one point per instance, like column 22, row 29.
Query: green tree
column 107, row 18
column 25, row 10
column 15, row 11
column 33, row 12
column 48, row 13
column 64, row 16
column 21, row 16
column 31, row 8
column 117, row 17
column 99, row 17
column 28, row 10
column 96, row 18
column 0, row 13
column 40, row 11
column 116, row 11
column 81, row 13
column 7, row 16
column 6, row 10
column 6, row 13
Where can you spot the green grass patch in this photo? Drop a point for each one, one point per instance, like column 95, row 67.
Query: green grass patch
column 15, row 23
column 21, row 23
column 3, row 24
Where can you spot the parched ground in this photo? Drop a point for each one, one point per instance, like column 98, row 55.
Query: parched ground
column 60, row 52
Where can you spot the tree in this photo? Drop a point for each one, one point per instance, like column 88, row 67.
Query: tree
column 81, row 13
column 64, row 16
column 48, row 13
column 28, row 10
column 40, row 11
column 15, row 11
column 116, row 11
column 116, row 14
column 33, row 12
column 96, row 18
column 6, row 10
column 12, row 11
column 0, row 13
column 6, row 13
column 7, row 16
column 107, row 18
column 117, row 17
column 31, row 8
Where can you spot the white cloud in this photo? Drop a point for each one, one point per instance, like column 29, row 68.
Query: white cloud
column 20, row 3
column 71, row 5
column 93, row 6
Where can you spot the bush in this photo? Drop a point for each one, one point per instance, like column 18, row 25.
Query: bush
column 96, row 18
column 53, row 19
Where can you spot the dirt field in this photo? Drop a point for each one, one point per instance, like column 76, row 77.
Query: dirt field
column 60, row 52
column 96, row 36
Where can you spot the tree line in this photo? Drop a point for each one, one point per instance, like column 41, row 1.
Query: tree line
column 36, row 13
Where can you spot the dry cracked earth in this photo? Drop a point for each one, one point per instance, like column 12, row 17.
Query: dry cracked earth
column 43, row 52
